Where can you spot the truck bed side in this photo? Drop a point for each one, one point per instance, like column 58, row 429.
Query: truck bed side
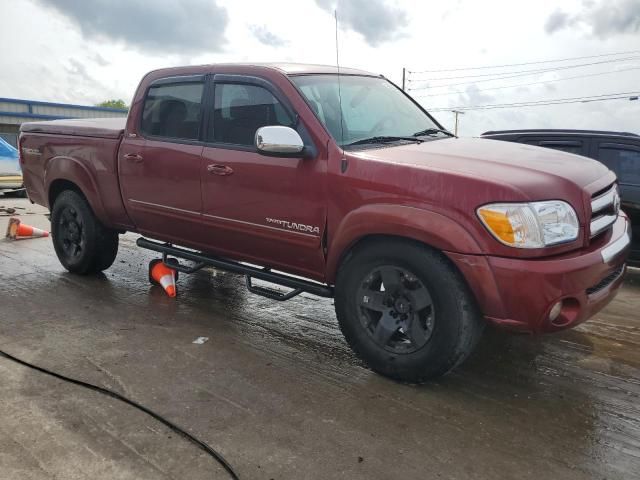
column 80, row 154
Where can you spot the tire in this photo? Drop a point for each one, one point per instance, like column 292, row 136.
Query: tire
column 437, row 323
column 83, row 245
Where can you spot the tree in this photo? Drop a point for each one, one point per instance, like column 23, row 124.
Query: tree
column 119, row 103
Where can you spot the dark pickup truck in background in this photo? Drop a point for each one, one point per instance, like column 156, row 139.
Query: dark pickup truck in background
column 339, row 184
column 619, row 151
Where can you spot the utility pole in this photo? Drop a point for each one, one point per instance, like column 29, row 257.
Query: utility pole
column 456, row 112
column 404, row 74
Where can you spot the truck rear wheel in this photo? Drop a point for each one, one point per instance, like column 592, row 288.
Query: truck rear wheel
column 82, row 243
column 406, row 311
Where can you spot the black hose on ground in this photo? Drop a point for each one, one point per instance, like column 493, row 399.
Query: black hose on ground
column 110, row 393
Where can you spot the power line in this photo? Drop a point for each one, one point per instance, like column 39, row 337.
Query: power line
column 492, row 79
column 626, row 97
column 540, row 102
column 538, row 70
column 523, row 64
column 585, row 99
column 495, row 107
column 509, row 105
column 532, row 83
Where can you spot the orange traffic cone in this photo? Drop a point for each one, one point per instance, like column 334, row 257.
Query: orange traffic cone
column 160, row 274
column 16, row 230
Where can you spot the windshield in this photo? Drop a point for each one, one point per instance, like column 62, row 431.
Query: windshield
column 371, row 107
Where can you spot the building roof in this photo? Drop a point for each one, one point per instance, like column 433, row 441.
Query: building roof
column 15, row 111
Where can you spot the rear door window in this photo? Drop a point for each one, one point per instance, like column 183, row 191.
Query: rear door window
column 240, row 109
column 623, row 160
column 569, row 145
column 173, row 110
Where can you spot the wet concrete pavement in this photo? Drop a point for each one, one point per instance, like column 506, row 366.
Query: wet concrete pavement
column 279, row 393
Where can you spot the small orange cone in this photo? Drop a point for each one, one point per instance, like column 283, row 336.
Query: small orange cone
column 160, row 274
column 16, row 230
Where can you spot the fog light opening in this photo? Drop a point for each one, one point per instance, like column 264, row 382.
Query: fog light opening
column 564, row 312
column 555, row 311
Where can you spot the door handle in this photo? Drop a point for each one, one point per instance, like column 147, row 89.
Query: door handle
column 219, row 169
column 133, row 157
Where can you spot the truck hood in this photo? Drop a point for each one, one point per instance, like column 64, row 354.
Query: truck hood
column 534, row 171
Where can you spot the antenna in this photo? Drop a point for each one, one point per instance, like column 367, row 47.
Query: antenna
column 335, row 14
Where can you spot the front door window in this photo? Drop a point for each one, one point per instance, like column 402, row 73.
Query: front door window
column 240, row 109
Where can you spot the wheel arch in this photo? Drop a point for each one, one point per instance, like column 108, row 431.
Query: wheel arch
column 400, row 223
column 60, row 185
column 66, row 173
column 456, row 321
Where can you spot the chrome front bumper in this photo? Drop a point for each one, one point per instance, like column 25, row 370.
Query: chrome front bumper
column 613, row 249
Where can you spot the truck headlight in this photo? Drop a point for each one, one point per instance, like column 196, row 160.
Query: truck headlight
column 530, row 225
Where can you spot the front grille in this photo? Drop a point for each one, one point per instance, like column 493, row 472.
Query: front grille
column 606, row 281
column 605, row 206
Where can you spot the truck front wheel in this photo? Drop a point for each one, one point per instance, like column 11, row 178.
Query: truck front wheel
column 82, row 243
column 405, row 310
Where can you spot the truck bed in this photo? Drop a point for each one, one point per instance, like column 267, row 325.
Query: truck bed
column 83, row 152
column 89, row 127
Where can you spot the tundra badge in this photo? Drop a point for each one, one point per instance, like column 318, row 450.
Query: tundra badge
column 31, row 151
column 294, row 226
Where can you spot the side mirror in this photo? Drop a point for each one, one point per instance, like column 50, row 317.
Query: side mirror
column 278, row 140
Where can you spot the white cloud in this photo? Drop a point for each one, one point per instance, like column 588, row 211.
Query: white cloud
column 378, row 21
column 58, row 62
column 264, row 35
column 602, row 19
column 157, row 26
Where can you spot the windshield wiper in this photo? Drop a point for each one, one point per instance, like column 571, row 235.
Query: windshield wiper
column 431, row 131
column 383, row 139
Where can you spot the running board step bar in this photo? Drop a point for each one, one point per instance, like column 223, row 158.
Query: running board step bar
column 270, row 292
column 202, row 260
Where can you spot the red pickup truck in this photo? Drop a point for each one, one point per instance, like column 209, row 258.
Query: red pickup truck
column 339, row 184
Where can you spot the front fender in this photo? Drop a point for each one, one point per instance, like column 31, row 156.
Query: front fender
column 76, row 172
column 433, row 229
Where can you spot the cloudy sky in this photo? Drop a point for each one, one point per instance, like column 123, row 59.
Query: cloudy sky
column 91, row 50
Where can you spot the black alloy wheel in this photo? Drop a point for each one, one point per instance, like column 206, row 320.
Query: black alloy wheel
column 82, row 243
column 405, row 309
column 396, row 309
column 72, row 233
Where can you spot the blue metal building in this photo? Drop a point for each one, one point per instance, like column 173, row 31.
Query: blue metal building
column 14, row 112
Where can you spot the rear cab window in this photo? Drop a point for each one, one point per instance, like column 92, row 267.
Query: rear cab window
column 173, row 110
